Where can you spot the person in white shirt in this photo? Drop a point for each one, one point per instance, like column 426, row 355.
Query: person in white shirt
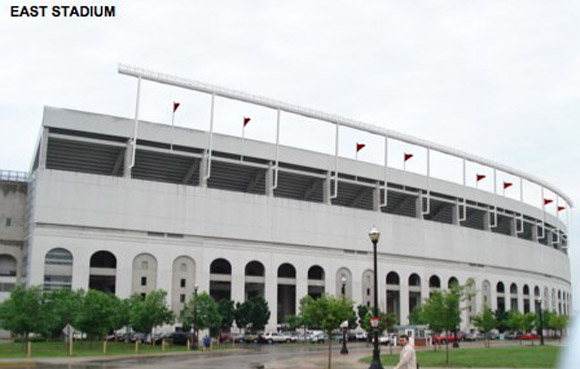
column 407, row 358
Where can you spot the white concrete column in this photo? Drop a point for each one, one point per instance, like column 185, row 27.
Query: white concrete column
column 419, row 207
column 493, row 297
column 301, row 284
column 238, row 284
column 487, row 221
column 203, row 169
column 377, row 197
column 404, row 301
column 327, row 189
column 454, row 214
column 128, row 157
column 124, row 280
column 271, row 295
column 520, row 299
column 269, row 180
column 81, row 262
column 43, row 149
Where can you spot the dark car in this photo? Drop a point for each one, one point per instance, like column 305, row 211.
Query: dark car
column 181, row 338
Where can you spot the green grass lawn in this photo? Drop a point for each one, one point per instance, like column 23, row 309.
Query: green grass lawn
column 494, row 357
column 82, row 348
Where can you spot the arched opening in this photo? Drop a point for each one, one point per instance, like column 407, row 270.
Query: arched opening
column 434, row 283
column 393, row 294
column 537, row 297
column 553, row 300
column 220, row 280
column 344, row 283
column 286, row 291
column 183, row 283
column 470, row 290
column 500, row 291
column 526, row 291
column 255, row 279
column 452, row 282
column 58, row 269
column 144, row 274
column 103, row 272
column 514, row 297
column 368, row 283
column 559, row 302
column 414, row 291
column 315, row 281
column 7, row 266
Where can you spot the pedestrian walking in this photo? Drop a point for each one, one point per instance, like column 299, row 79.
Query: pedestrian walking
column 407, row 359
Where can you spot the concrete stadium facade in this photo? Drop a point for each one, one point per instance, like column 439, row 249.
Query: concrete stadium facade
column 87, row 219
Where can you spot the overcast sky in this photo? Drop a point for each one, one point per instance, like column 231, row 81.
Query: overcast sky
column 498, row 79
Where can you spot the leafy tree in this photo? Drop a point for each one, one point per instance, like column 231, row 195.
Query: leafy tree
column 61, row 307
column 559, row 323
column 293, row 321
column 150, row 312
column 227, row 310
column 416, row 317
column 529, row 323
column 387, row 322
column 201, row 312
column 485, row 322
column 242, row 314
column 362, row 311
column 97, row 313
column 443, row 313
column 23, row 312
column 548, row 319
column 501, row 317
column 329, row 312
column 122, row 317
column 515, row 322
column 259, row 313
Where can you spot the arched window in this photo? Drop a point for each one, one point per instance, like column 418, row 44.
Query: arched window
column 183, row 283
column 220, row 266
column 434, row 282
column 58, row 269
column 526, row 290
column 414, row 280
column 255, row 269
column 286, row 271
column 452, row 282
column 393, row 278
column 500, row 288
column 514, row 289
column 315, row 272
column 144, row 274
column 100, row 278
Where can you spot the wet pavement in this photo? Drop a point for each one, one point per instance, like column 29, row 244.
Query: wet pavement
column 254, row 356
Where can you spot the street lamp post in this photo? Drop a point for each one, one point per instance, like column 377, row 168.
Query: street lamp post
column 344, row 325
column 541, row 330
column 374, row 235
column 195, row 314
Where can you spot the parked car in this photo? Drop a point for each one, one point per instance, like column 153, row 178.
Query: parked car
column 511, row 335
column 273, row 337
column 293, row 336
column 318, row 338
column 386, row 338
column 443, row 339
column 529, row 336
column 180, row 338
column 361, row 336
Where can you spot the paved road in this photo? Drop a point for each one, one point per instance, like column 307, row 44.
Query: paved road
column 265, row 356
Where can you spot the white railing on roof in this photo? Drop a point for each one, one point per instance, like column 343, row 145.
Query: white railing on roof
column 13, row 176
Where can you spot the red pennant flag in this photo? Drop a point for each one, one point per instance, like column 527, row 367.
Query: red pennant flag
column 507, row 184
column 479, row 177
column 547, row 201
column 359, row 147
column 560, row 208
column 246, row 121
column 175, row 106
column 407, row 156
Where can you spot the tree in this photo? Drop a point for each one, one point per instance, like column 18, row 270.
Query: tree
column 122, row 317
column 515, row 322
column 150, row 312
column 242, row 314
column 501, row 317
column 62, row 307
column 387, row 322
column 23, row 312
column 329, row 312
column 362, row 311
column 529, row 323
column 442, row 312
column 227, row 311
column 559, row 323
column 97, row 313
column 416, row 317
column 293, row 321
column 259, row 313
column 201, row 312
column 485, row 322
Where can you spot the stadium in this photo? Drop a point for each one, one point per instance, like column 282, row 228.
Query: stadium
column 127, row 206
